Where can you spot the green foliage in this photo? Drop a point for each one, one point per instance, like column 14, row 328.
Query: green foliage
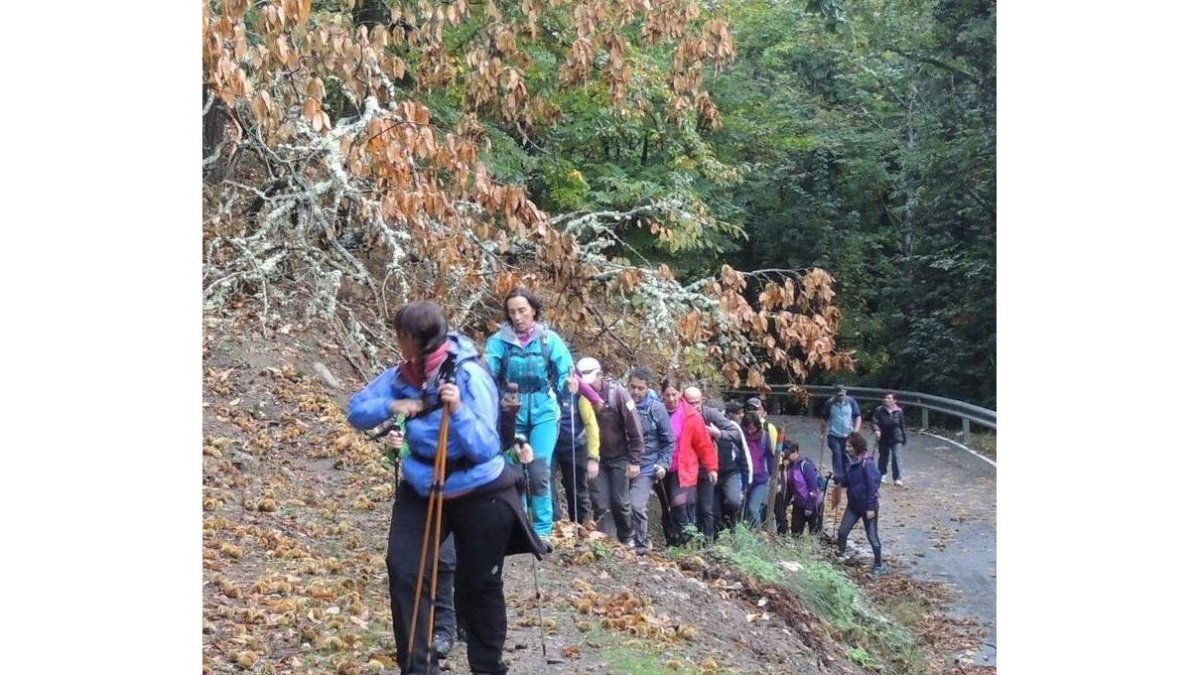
column 802, row 568
column 857, row 135
column 629, row 661
column 869, row 129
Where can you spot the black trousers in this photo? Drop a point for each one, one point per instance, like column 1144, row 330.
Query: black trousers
column 783, row 499
column 705, row 509
column 481, row 525
column 814, row 522
column 849, row 519
column 677, row 506
column 889, row 451
column 579, row 505
column 727, row 498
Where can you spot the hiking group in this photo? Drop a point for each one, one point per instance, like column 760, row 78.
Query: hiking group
column 478, row 439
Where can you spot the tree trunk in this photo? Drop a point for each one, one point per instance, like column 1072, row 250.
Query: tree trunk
column 214, row 133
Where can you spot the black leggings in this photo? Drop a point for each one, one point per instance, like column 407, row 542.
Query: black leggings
column 849, row 520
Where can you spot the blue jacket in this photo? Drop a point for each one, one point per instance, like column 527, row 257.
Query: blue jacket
column 658, row 437
column 527, row 367
column 473, row 450
column 862, row 485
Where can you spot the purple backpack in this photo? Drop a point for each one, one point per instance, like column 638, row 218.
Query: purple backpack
column 800, row 487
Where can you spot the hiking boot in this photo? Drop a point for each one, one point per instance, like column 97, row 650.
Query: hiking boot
column 878, row 571
column 442, row 644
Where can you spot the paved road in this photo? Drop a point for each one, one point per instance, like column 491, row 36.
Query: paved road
column 942, row 522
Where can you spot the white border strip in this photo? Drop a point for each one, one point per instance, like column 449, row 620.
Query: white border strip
column 956, row 443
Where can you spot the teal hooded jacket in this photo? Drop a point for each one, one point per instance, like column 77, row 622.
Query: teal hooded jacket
column 527, row 367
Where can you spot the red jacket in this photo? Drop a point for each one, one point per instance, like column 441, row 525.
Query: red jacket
column 693, row 448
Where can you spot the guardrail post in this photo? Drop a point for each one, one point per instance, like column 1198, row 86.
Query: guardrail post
column 966, row 432
column 924, row 418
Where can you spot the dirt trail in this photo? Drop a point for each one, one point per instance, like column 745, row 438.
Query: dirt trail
column 296, row 510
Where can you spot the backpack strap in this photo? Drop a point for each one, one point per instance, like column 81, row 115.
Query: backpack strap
column 502, row 376
column 551, row 370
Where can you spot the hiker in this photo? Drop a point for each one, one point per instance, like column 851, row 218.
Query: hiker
column 734, row 472
column 658, row 442
column 694, row 456
column 890, row 435
column 840, row 416
column 806, row 490
column 762, row 463
column 576, row 452
column 726, row 436
column 620, row 453
column 440, row 374
column 534, row 357
column 444, row 623
column 776, row 439
column 862, row 499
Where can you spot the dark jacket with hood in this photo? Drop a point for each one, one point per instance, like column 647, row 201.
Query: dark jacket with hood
column 732, row 453
column 862, row 485
column 891, row 425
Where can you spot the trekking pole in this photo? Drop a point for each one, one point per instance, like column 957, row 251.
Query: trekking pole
column 439, row 489
column 435, row 504
column 837, row 502
column 574, row 506
column 537, row 588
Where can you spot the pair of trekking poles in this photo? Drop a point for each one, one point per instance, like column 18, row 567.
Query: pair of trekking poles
column 431, row 539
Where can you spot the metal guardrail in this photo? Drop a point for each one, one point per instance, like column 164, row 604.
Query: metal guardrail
column 967, row 412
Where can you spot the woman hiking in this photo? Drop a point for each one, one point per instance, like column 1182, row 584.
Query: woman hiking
column 862, row 499
column 526, row 353
column 440, row 375
column 694, row 452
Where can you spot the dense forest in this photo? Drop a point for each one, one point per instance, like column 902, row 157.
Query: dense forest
column 652, row 163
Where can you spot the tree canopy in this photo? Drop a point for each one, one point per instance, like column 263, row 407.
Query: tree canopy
column 626, row 158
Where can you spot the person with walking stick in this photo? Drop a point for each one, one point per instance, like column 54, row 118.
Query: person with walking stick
column 862, row 499
column 528, row 353
column 445, row 624
column 456, row 481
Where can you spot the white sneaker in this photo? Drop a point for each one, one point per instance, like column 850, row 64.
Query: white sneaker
column 898, row 483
